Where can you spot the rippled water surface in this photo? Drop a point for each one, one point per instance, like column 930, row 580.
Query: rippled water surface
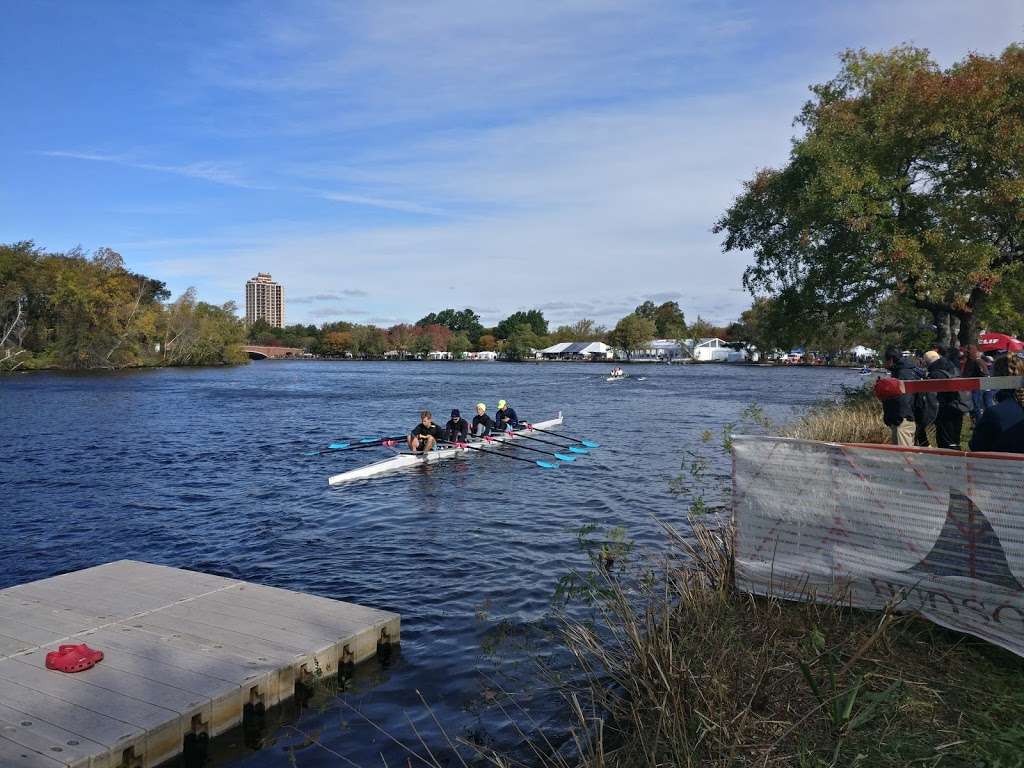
column 203, row 469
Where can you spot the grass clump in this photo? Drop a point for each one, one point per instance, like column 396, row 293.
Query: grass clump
column 855, row 418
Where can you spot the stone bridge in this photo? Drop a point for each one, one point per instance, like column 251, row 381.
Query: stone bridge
column 263, row 353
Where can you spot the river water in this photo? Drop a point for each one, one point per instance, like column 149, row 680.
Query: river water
column 204, row 469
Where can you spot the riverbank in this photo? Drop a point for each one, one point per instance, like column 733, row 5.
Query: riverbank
column 672, row 666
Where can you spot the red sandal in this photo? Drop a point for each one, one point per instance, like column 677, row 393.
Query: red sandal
column 84, row 650
column 73, row 658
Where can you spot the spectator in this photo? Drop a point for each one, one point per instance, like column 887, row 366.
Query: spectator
column 975, row 367
column 949, row 421
column 926, row 408
column 1001, row 427
column 898, row 412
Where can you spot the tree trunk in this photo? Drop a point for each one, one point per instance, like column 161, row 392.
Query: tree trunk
column 943, row 331
column 970, row 326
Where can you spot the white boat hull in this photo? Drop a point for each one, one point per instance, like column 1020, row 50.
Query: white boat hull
column 405, row 461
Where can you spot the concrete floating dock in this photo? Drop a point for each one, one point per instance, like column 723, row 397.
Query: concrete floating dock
column 186, row 654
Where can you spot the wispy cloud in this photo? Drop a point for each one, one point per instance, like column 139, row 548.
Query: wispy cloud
column 338, row 296
column 220, row 173
column 336, row 313
column 217, row 173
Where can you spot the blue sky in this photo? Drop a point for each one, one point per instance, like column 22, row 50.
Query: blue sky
column 386, row 159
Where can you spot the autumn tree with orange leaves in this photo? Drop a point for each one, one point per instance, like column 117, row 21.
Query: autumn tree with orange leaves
column 907, row 180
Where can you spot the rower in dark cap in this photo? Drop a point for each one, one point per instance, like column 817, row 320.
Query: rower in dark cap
column 457, row 428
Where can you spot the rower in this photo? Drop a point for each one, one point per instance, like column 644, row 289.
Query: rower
column 506, row 416
column 482, row 423
column 424, row 436
column 457, row 428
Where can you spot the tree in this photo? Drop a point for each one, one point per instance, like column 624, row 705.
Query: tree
column 401, row 338
column 533, row 318
column 670, row 322
column 467, row 321
column 520, row 343
column 459, row 345
column 702, row 329
column 337, row 343
column 646, row 310
column 907, row 180
column 370, row 341
column 487, row 343
column 632, row 332
column 581, row 330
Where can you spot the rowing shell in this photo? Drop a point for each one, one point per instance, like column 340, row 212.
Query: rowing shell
column 406, row 460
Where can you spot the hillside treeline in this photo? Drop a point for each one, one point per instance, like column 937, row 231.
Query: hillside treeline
column 82, row 311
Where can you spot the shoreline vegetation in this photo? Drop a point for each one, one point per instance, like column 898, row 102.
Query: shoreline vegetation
column 671, row 666
column 76, row 311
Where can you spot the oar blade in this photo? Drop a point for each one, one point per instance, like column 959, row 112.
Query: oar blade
column 368, row 439
column 563, row 457
column 311, row 453
column 577, row 449
column 338, row 446
column 590, row 444
column 546, row 464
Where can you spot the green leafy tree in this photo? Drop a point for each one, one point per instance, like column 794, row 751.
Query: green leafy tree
column 401, row 337
column 907, row 179
column 520, row 343
column 458, row 345
column 632, row 332
column 670, row 322
column 646, row 310
column 581, row 330
column 467, row 321
column 371, row 342
column 533, row 318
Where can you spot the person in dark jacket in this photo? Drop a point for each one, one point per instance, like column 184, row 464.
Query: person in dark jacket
column 506, row 416
column 949, row 422
column 898, row 412
column 1001, row 426
column 482, row 423
column 975, row 367
column 457, row 428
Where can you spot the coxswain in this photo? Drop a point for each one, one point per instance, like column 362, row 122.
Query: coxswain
column 506, row 416
column 482, row 423
column 425, row 435
column 457, row 428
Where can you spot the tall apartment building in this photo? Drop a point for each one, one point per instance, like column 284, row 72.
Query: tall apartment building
column 264, row 300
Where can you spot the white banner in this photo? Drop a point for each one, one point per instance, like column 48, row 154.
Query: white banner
column 941, row 532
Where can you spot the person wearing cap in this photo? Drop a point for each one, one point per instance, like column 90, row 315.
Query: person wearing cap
column 425, row 435
column 898, row 412
column 482, row 423
column 457, row 428
column 949, row 421
column 506, row 416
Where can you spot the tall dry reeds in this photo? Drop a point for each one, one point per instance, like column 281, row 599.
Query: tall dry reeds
column 856, row 418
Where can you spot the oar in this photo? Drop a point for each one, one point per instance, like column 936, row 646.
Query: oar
column 588, row 443
column 560, row 456
column 348, row 446
column 538, row 462
column 573, row 448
